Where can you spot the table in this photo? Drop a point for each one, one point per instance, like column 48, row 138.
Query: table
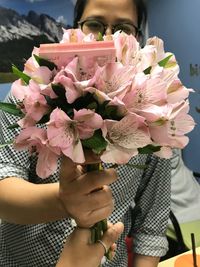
column 170, row 262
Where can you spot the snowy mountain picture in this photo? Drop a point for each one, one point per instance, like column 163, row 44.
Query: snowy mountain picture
column 19, row 33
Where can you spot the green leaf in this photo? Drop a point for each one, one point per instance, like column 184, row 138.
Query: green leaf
column 100, row 37
column 6, row 144
column 102, row 107
column 20, row 74
column 44, row 62
column 44, row 119
column 11, row 109
column 147, row 70
column 149, row 149
column 13, row 126
column 164, row 61
column 97, row 143
column 111, row 112
column 92, row 106
column 59, row 89
column 83, row 101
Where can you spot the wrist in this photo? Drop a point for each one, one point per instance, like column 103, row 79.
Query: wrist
column 60, row 205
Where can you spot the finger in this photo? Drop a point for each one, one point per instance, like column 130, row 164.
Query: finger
column 90, row 181
column 95, row 216
column 113, row 249
column 100, row 198
column 93, row 201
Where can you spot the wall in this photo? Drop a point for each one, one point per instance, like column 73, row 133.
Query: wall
column 177, row 23
column 4, row 89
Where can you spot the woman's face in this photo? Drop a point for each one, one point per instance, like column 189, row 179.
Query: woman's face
column 114, row 14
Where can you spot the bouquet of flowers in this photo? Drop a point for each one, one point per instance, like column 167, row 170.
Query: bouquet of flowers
column 108, row 95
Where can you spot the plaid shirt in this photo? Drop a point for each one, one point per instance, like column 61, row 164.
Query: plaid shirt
column 40, row 245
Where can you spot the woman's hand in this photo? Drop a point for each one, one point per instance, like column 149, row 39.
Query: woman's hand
column 80, row 195
column 79, row 252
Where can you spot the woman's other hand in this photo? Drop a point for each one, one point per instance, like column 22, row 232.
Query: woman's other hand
column 79, row 252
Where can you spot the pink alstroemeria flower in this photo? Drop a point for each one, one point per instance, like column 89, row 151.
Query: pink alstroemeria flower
column 71, row 92
column 62, row 133
column 129, row 52
column 76, row 36
column 82, row 70
column 165, row 152
column 72, row 36
column 144, row 92
column 115, row 79
column 34, row 103
column 87, row 122
column 124, row 137
column 75, row 80
column 124, row 44
column 40, row 74
column 177, row 92
column 31, row 64
column 26, row 122
column 35, row 140
column 19, row 89
column 161, row 54
column 144, row 58
column 159, row 45
column 170, row 123
column 29, row 137
column 167, row 75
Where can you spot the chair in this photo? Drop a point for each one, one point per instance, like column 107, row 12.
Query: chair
column 179, row 236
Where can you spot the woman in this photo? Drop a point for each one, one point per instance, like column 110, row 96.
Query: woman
column 39, row 211
column 128, row 16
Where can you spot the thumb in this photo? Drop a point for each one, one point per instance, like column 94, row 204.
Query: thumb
column 68, row 170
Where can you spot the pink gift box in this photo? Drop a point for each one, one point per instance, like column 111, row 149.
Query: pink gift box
column 62, row 53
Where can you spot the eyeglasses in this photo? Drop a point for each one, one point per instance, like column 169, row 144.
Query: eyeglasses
column 97, row 26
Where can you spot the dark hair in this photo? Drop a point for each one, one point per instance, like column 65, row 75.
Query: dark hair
column 140, row 6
